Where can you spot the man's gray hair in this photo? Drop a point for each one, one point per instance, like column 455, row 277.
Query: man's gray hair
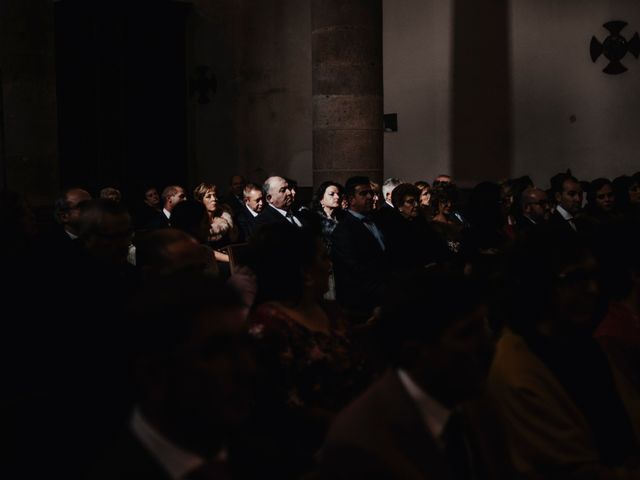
column 250, row 187
column 389, row 184
column 266, row 186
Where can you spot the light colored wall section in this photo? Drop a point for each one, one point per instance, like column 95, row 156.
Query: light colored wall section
column 274, row 107
column 259, row 122
column 555, row 79
column 417, row 78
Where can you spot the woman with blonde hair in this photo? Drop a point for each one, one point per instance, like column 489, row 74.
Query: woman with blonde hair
column 223, row 230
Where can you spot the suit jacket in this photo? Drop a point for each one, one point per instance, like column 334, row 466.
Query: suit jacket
column 558, row 220
column 271, row 215
column 549, row 437
column 157, row 221
column 236, row 204
column 246, row 224
column 359, row 264
column 382, row 435
column 129, row 460
column 410, row 243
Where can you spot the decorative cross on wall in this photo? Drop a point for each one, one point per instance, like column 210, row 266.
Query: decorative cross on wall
column 202, row 84
column 615, row 47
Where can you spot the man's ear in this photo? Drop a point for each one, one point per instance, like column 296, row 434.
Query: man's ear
column 558, row 196
column 268, row 197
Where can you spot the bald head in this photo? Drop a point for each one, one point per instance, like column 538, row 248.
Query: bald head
column 278, row 192
column 535, row 204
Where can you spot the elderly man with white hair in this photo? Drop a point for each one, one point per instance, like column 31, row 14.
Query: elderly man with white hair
column 279, row 200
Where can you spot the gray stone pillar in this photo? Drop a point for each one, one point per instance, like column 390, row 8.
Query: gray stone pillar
column 28, row 153
column 347, row 89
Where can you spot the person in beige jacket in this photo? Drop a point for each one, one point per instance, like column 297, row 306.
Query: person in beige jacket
column 567, row 412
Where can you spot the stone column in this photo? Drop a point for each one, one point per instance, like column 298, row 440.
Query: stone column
column 481, row 107
column 29, row 142
column 347, row 89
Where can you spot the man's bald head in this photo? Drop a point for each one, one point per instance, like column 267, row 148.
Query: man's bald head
column 535, row 204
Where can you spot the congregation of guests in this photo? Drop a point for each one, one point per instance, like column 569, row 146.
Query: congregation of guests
column 401, row 330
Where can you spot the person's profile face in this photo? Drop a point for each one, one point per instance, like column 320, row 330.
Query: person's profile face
column 210, row 200
column 151, row 197
column 571, row 197
column 331, row 197
column 362, row 199
column 280, row 195
column 425, row 197
column 605, row 198
column 177, row 197
column 255, row 200
column 237, row 185
column 409, row 207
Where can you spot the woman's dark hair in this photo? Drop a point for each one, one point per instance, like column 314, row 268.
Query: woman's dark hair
column 484, row 206
column 532, row 271
column 592, row 191
column 278, row 255
column 621, row 187
column 403, row 191
column 188, row 216
column 442, row 194
column 319, row 193
column 419, row 306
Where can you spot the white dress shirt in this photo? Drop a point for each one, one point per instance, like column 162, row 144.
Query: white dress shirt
column 567, row 216
column 253, row 213
column 288, row 215
column 434, row 414
column 177, row 462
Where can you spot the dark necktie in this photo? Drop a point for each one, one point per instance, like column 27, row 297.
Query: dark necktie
column 371, row 226
column 456, row 449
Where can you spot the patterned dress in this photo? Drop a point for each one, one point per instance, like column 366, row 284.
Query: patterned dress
column 309, row 369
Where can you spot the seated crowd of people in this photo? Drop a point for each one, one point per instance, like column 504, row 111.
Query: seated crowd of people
column 403, row 330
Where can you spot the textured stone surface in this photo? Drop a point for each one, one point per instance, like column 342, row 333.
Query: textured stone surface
column 347, row 89
column 328, row 13
column 341, row 176
column 346, row 44
column 347, row 149
column 359, row 112
column 364, row 79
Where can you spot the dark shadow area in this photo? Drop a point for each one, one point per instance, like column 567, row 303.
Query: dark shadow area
column 121, row 92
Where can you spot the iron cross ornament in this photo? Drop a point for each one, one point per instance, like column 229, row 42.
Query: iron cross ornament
column 615, row 47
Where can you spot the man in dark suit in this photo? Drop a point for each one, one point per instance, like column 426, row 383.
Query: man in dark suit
column 279, row 202
column 411, row 423
column 67, row 215
column 568, row 195
column 171, row 196
column 193, row 371
column 253, row 206
column 234, row 198
column 358, row 251
column 534, row 210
